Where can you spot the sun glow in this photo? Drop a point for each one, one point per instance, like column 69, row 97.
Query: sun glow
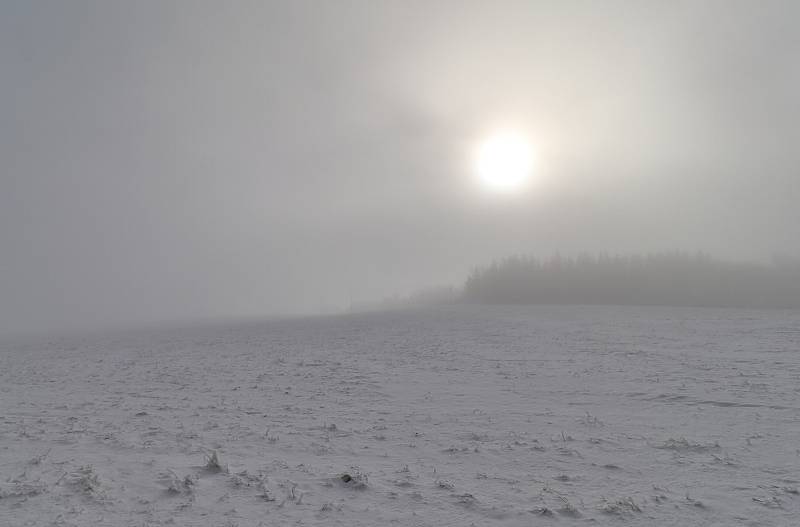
column 504, row 161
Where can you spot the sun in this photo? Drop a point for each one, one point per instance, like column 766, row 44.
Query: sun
column 504, row 161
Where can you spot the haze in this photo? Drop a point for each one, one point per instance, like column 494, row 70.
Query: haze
column 178, row 160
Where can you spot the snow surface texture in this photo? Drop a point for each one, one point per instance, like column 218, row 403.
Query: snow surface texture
column 455, row 416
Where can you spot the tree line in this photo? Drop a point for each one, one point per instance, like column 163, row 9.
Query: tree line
column 674, row 278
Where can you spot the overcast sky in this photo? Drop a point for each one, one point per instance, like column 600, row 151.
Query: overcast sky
column 176, row 160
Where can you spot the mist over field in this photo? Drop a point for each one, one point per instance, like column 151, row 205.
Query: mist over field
column 521, row 262
column 195, row 160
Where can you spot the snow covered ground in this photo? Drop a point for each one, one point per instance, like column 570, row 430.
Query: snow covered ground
column 453, row 416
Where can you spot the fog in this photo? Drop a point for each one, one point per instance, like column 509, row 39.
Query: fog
column 180, row 160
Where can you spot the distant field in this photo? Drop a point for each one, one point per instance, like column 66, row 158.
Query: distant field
column 458, row 416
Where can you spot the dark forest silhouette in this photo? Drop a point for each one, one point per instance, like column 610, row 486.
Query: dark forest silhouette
column 679, row 279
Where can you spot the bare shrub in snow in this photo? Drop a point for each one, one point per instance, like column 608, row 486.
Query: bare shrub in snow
column 772, row 502
column 590, row 420
column 564, row 507
column 265, row 493
column 38, row 459
column 20, row 488
column 466, row 499
column 245, row 479
column 567, row 508
column 271, row 438
column 683, row 445
column 445, row 484
column 87, row 480
column 176, row 484
column 620, row 507
column 213, row 465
